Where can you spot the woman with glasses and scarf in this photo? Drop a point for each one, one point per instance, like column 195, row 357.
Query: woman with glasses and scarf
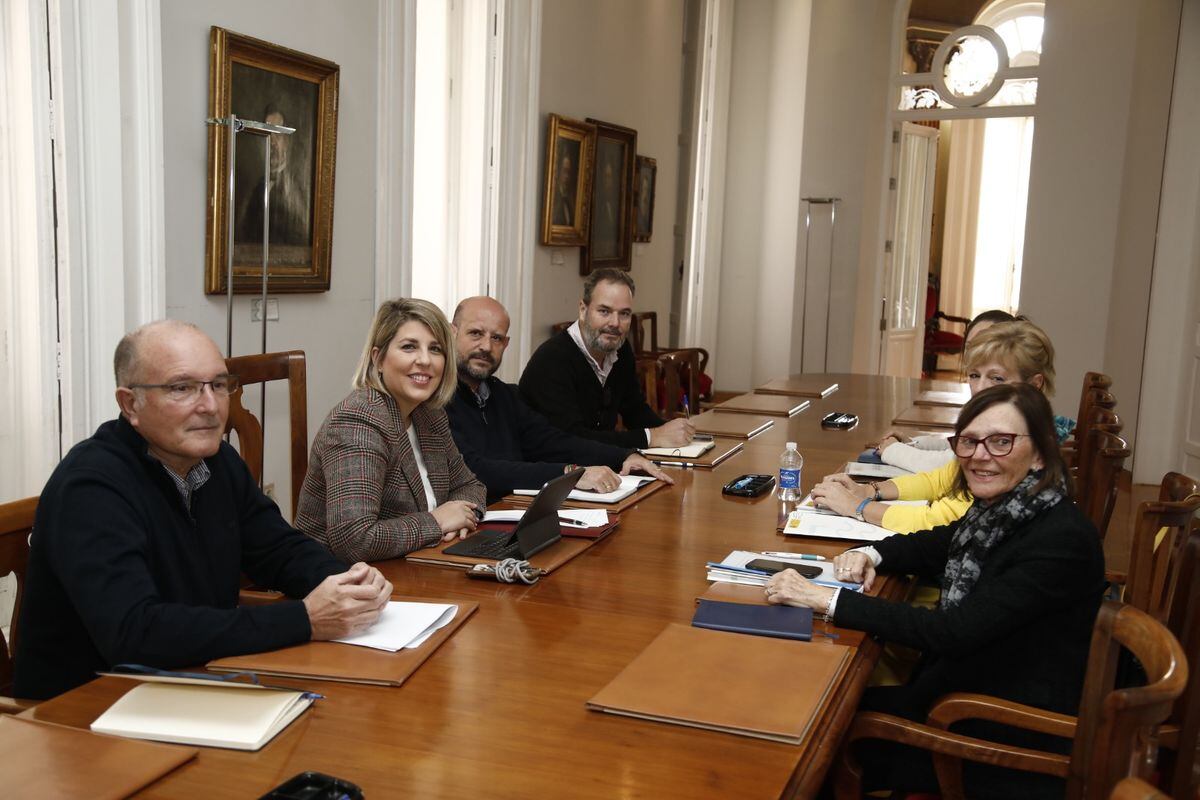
column 1021, row 573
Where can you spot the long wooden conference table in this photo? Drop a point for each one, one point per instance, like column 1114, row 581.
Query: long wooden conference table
column 499, row 709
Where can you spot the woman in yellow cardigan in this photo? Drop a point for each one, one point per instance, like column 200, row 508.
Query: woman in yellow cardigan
column 1007, row 352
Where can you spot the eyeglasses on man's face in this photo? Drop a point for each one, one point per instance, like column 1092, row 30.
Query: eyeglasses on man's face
column 189, row 391
column 997, row 444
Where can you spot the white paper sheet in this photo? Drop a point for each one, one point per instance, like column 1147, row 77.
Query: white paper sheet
column 629, row 485
column 404, row 625
column 570, row 517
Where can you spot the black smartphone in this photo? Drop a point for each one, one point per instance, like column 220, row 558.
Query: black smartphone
column 749, row 485
column 314, row 786
column 839, row 420
column 771, row 566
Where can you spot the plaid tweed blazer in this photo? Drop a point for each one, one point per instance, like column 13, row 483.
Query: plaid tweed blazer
column 362, row 497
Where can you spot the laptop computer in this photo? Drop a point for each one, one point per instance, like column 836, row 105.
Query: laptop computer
column 537, row 530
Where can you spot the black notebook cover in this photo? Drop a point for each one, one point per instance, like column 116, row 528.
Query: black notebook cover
column 783, row 622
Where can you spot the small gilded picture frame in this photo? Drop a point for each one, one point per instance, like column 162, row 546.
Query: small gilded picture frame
column 568, row 186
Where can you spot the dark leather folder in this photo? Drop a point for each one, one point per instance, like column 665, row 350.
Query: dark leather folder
column 782, row 622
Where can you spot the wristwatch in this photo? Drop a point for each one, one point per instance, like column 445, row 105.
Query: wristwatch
column 858, row 512
column 875, row 488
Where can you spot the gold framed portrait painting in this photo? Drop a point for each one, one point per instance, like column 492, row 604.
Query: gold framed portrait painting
column 645, row 179
column 256, row 80
column 610, row 241
column 568, row 187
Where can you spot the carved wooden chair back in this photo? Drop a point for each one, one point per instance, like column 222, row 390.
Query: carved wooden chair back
column 559, row 327
column 261, row 369
column 1102, row 419
column 1107, row 455
column 16, row 522
column 1160, row 529
column 648, row 370
column 1179, row 738
column 1091, row 380
column 680, row 370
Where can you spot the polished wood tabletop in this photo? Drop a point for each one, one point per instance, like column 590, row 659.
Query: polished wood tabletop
column 499, row 709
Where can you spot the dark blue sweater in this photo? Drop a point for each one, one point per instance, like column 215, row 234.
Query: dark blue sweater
column 119, row 572
column 510, row 446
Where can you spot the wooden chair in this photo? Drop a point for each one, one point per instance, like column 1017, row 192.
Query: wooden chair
column 1091, row 380
column 1136, row 789
column 1079, row 454
column 559, row 327
column 937, row 340
column 1097, row 489
column 1112, row 734
column 1153, row 570
column 16, row 522
column 261, row 369
column 643, row 336
column 648, row 370
column 680, row 370
column 1179, row 737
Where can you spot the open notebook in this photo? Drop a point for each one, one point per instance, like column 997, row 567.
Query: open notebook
column 199, row 711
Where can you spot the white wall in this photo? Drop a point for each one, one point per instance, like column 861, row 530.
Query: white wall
column 1171, row 386
column 1093, row 192
column 849, row 65
column 329, row 327
column 620, row 61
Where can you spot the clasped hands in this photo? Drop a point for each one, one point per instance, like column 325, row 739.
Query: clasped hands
column 348, row 602
column 839, row 493
column 790, row 589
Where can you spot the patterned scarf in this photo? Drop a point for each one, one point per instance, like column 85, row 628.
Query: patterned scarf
column 984, row 527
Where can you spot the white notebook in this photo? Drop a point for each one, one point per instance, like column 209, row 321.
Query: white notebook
column 238, row 716
column 693, row 450
column 858, row 469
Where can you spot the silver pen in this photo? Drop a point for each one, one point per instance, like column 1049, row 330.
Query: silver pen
column 801, row 556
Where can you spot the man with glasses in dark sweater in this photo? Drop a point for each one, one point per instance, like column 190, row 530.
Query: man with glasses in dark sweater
column 505, row 443
column 144, row 531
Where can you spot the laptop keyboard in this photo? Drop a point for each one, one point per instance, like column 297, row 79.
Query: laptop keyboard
column 496, row 548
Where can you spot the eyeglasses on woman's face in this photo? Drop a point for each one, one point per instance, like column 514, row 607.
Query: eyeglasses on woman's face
column 997, row 444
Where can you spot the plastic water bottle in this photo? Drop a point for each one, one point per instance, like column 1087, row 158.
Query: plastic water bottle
column 790, row 464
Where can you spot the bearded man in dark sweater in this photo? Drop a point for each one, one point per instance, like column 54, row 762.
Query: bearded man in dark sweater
column 506, row 444
column 584, row 379
column 144, row 530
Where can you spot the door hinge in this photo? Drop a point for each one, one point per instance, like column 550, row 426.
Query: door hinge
column 58, row 361
column 895, row 137
column 887, row 246
column 892, row 184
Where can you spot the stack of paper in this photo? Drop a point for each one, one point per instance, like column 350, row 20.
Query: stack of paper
column 567, row 517
column 404, row 625
column 802, row 523
column 732, row 569
column 859, row 469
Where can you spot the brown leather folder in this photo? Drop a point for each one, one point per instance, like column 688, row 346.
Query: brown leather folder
column 335, row 661
column 549, row 559
column 773, row 405
column 929, row 416
column 643, row 491
column 47, row 761
column 733, row 426
column 932, row 397
column 731, row 682
column 799, row 386
column 724, row 448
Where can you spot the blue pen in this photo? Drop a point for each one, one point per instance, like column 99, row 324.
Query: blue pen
column 687, row 412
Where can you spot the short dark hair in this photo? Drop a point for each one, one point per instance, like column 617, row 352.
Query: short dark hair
column 606, row 275
column 1033, row 406
column 993, row 316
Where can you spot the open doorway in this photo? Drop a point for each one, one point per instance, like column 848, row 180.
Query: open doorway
column 968, row 71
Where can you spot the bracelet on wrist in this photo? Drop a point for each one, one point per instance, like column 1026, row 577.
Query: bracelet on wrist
column 875, row 488
column 829, row 605
column 858, row 512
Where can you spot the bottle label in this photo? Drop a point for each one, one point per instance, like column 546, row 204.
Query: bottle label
column 789, row 479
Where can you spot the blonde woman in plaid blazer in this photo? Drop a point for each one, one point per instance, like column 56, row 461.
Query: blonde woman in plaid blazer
column 366, row 496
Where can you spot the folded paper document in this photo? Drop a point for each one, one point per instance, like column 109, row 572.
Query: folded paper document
column 732, row 569
column 802, row 523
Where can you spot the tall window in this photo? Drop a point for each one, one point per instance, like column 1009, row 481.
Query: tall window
column 452, row 175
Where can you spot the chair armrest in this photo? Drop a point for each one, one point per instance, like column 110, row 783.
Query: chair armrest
column 258, row 597
column 872, row 725
column 11, row 705
column 1116, row 576
column 960, row 706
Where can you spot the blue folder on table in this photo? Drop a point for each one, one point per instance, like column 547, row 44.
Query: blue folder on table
column 783, row 622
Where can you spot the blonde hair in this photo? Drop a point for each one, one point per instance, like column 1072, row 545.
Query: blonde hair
column 390, row 317
column 1019, row 344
